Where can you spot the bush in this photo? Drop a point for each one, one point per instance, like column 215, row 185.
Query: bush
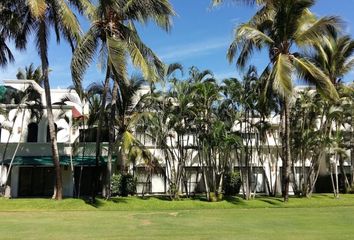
column 123, row 185
column 215, row 197
column 232, row 183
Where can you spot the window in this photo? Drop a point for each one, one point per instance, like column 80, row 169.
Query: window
column 89, row 135
column 48, row 132
column 144, row 184
column 194, row 180
column 0, row 133
column 32, row 134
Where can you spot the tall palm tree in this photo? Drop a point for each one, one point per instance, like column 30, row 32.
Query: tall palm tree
column 284, row 25
column 113, row 34
column 41, row 16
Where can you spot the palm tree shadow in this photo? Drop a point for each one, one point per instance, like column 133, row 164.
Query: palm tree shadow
column 234, row 200
column 98, row 203
column 118, row 200
column 274, row 202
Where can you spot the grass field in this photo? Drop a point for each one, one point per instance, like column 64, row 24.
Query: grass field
column 321, row 217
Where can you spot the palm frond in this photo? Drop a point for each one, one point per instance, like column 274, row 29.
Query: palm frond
column 309, row 34
column 311, row 73
column 83, row 54
column 159, row 11
column 69, row 21
column 37, row 8
column 282, row 72
column 117, row 57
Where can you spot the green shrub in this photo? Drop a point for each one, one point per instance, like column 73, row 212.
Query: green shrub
column 214, row 197
column 232, row 183
column 123, row 185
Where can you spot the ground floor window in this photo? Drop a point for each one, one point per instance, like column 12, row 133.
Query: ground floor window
column 36, row 181
column 84, row 180
column 193, row 181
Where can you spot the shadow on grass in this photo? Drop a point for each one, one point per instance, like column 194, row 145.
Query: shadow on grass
column 99, row 202
column 274, row 201
column 234, row 200
column 94, row 203
column 158, row 197
column 118, row 200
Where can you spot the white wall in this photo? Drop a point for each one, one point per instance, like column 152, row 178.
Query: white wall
column 15, row 171
column 68, row 185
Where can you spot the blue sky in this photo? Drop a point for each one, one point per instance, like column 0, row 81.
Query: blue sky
column 200, row 36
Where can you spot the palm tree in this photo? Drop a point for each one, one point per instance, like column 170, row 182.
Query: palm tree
column 334, row 55
column 129, row 116
column 27, row 101
column 114, row 35
column 282, row 25
column 10, row 23
column 40, row 16
column 206, row 94
column 31, row 73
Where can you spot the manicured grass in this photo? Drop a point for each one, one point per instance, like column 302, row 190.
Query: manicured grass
column 321, row 217
column 160, row 203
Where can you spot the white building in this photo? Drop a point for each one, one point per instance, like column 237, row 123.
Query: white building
column 25, row 148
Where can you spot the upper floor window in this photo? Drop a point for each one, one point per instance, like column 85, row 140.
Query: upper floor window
column 48, row 132
column 90, row 135
column 32, row 133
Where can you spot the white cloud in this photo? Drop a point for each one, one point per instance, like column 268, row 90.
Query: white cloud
column 223, row 75
column 194, row 49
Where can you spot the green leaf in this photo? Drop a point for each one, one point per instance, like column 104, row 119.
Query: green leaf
column 282, row 73
column 311, row 73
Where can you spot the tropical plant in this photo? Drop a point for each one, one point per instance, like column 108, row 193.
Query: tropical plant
column 334, row 55
column 279, row 26
column 41, row 16
column 31, row 73
column 27, row 105
column 11, row 23
column 114, row 35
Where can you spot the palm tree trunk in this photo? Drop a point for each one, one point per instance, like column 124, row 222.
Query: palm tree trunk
column 98, row 135
column 9, row 136
column 343, row 175
column 15, row 152
column 58, row 191
column 111, row 139
column 286, row 150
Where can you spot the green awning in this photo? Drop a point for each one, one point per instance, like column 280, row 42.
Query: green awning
column 64, row 161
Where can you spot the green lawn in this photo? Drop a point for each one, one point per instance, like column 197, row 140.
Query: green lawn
column 321, row 217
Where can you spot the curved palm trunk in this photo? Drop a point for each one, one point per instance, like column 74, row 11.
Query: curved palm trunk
column 58, row 191
column 13, row 156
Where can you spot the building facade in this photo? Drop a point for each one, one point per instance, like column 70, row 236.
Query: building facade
column 26, row 164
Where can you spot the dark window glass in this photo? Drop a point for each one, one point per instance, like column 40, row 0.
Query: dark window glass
column 89, row 135
column 32, row 135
